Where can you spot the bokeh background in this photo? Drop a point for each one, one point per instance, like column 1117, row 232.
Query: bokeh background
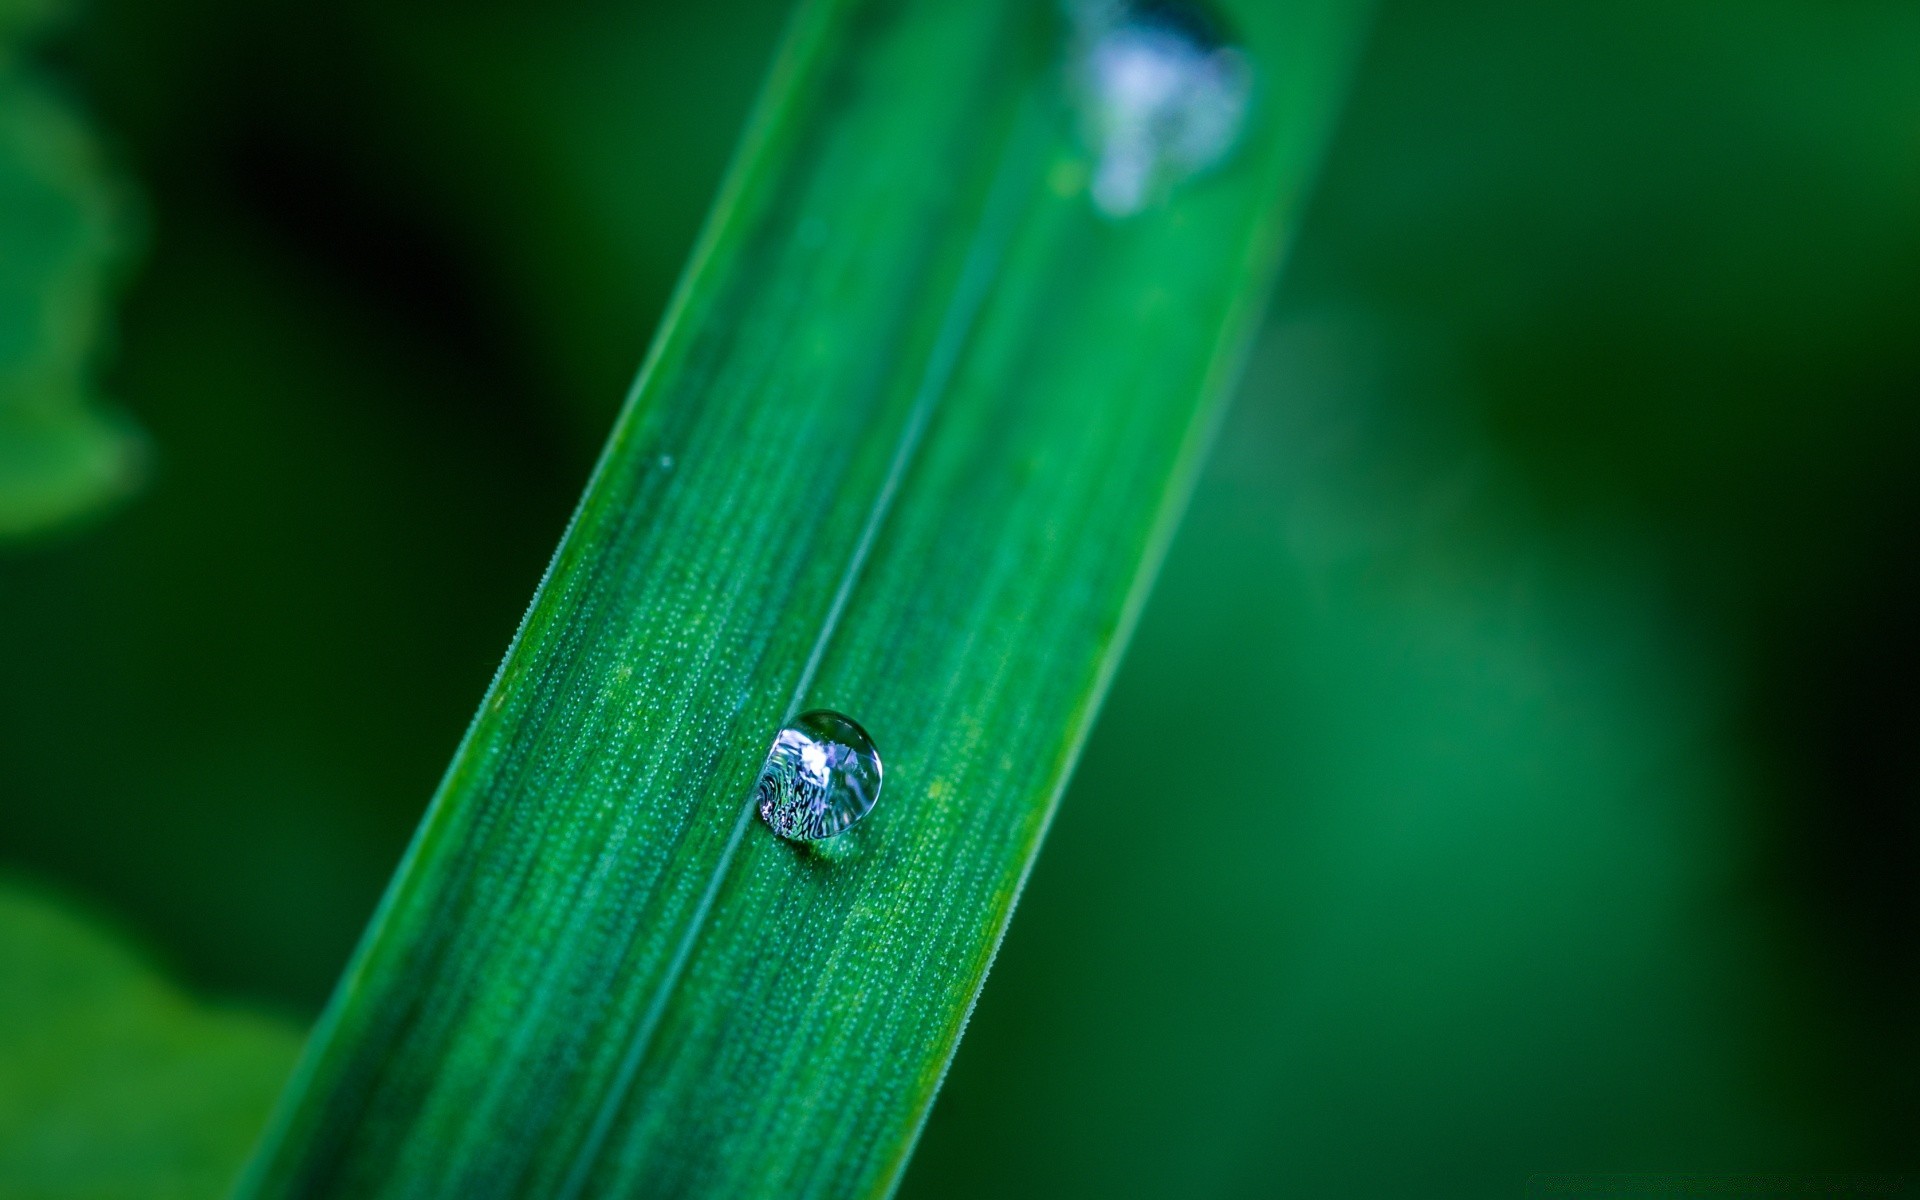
column 1517, row 768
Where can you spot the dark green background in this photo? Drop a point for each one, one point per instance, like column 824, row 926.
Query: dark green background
column 1516, row 767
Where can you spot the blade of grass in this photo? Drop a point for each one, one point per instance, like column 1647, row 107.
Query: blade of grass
column 910, row 441
column 983, row 259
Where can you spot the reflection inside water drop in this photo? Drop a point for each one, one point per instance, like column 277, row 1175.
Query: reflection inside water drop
column 1162, row 95
column 821, row 776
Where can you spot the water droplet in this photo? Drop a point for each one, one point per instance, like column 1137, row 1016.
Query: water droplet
column 821, row 776
column 1163, row 96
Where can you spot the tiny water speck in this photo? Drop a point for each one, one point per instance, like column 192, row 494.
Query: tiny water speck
column 821, row 776
column 1162, row 94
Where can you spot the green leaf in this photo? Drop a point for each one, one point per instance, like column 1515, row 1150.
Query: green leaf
column 62, row 230
column 912, row 438
column 112, row 1083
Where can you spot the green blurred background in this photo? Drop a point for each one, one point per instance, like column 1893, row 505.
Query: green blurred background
column 1517, row 768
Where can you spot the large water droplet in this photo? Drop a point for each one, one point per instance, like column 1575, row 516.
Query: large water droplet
column 821, row 776
column 1162, row 94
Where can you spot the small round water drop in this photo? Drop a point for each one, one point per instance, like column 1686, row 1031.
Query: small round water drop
column 821, row 776
column 1162, row 94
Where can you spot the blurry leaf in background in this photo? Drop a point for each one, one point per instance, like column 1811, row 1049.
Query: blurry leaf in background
column 112, row 1083
column 61, row 232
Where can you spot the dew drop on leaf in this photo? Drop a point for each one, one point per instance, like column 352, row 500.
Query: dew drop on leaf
column 821, row 776
column 1162, row 95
